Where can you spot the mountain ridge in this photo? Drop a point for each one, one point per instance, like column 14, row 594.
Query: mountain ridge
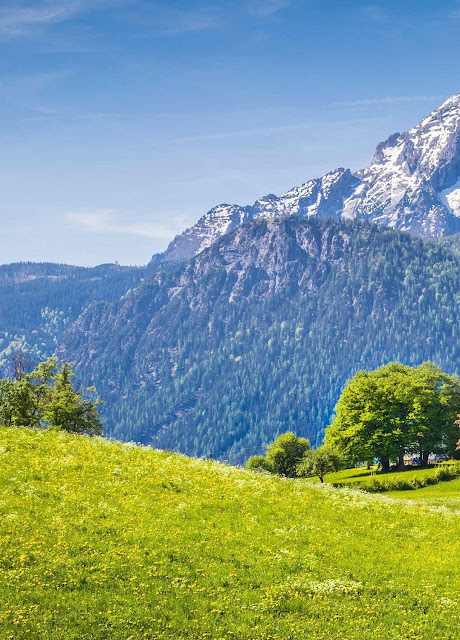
column 412, row 184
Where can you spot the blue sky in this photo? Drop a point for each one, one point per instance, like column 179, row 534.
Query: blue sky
column 123, row 121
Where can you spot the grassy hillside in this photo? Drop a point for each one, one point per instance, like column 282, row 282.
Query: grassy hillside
column 444, row 494
column 105, row 540
column 362, row 476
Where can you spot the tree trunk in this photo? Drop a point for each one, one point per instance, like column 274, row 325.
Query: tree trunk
column 401, row 460
column 321, row 478
column 424, row 458
column 385, row 462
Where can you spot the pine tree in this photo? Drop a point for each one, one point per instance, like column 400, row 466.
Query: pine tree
column 68, row 410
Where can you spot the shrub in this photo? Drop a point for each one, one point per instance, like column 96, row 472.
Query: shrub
column 389, row 483
column 259, row 463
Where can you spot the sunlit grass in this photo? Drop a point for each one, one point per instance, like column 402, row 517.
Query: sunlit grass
column 364, row 478
column 103, row 540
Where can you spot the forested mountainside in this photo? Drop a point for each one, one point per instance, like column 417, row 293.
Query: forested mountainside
column 412, row 184
column 259, row 333
column 451, row 242
column 38, row 300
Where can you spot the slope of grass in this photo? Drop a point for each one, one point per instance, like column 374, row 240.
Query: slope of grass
column 408, row 479
column 444, row 494
column 104, row 540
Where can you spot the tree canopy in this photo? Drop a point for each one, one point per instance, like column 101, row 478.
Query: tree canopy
column 283, row 455
column 319, row 462
column 45, row 397
column 394, row 410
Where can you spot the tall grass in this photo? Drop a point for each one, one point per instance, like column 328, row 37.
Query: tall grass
column 100, row 540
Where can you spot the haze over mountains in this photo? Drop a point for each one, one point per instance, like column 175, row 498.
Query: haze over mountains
column 252, row 320
column 412, row 184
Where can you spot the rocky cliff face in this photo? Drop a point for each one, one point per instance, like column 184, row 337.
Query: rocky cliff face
column 412, row 184
column 322, row 196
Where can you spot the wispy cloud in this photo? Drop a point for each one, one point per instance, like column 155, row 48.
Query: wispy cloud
column 388, row 100
column 25, row 19
column 108, row 221
column 162, row 19
column 374, row 13
column 25, row 92
column 175, row 21
column 50, row 115
column 16, row 21
column 33, row 82
column 159, row 17
column 268, row 131
column 266, row 8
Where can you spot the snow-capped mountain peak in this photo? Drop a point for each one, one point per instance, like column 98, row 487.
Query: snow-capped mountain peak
column 412, row 184
column 404, row 185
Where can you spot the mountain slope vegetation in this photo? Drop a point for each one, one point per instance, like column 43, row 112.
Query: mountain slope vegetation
column 38, row 300
column 258, row 334
column 106, row 540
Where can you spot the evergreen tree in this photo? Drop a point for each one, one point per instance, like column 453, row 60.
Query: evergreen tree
column 68, row 410
column 46, row 397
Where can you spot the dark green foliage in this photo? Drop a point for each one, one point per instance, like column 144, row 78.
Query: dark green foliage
column 45, row 397
column 259, row 463
column 230, row 361
column 66, row 408
column 394, row 410
column 451, row 242
column 285, row 453
column 23, row 401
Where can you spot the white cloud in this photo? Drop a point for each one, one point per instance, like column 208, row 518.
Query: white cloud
column 268, row 131
column 175, row 21
column 17, row 21
column 51, row 115
column 162, row 19
column 28, row 84
column 108, row 221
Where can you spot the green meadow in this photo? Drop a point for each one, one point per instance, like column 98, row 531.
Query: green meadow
column 103, row 540
column 365, row 478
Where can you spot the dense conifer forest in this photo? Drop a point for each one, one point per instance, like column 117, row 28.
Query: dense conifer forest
column 259, row 334
column 38, row 301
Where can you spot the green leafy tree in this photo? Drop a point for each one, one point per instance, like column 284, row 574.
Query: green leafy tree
column 457, row 444
column 46, row 397
column 259, row 463
column 435, row 400
column 395, row 409
column 23, row 401
column 286, row 452
column 319, row 462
